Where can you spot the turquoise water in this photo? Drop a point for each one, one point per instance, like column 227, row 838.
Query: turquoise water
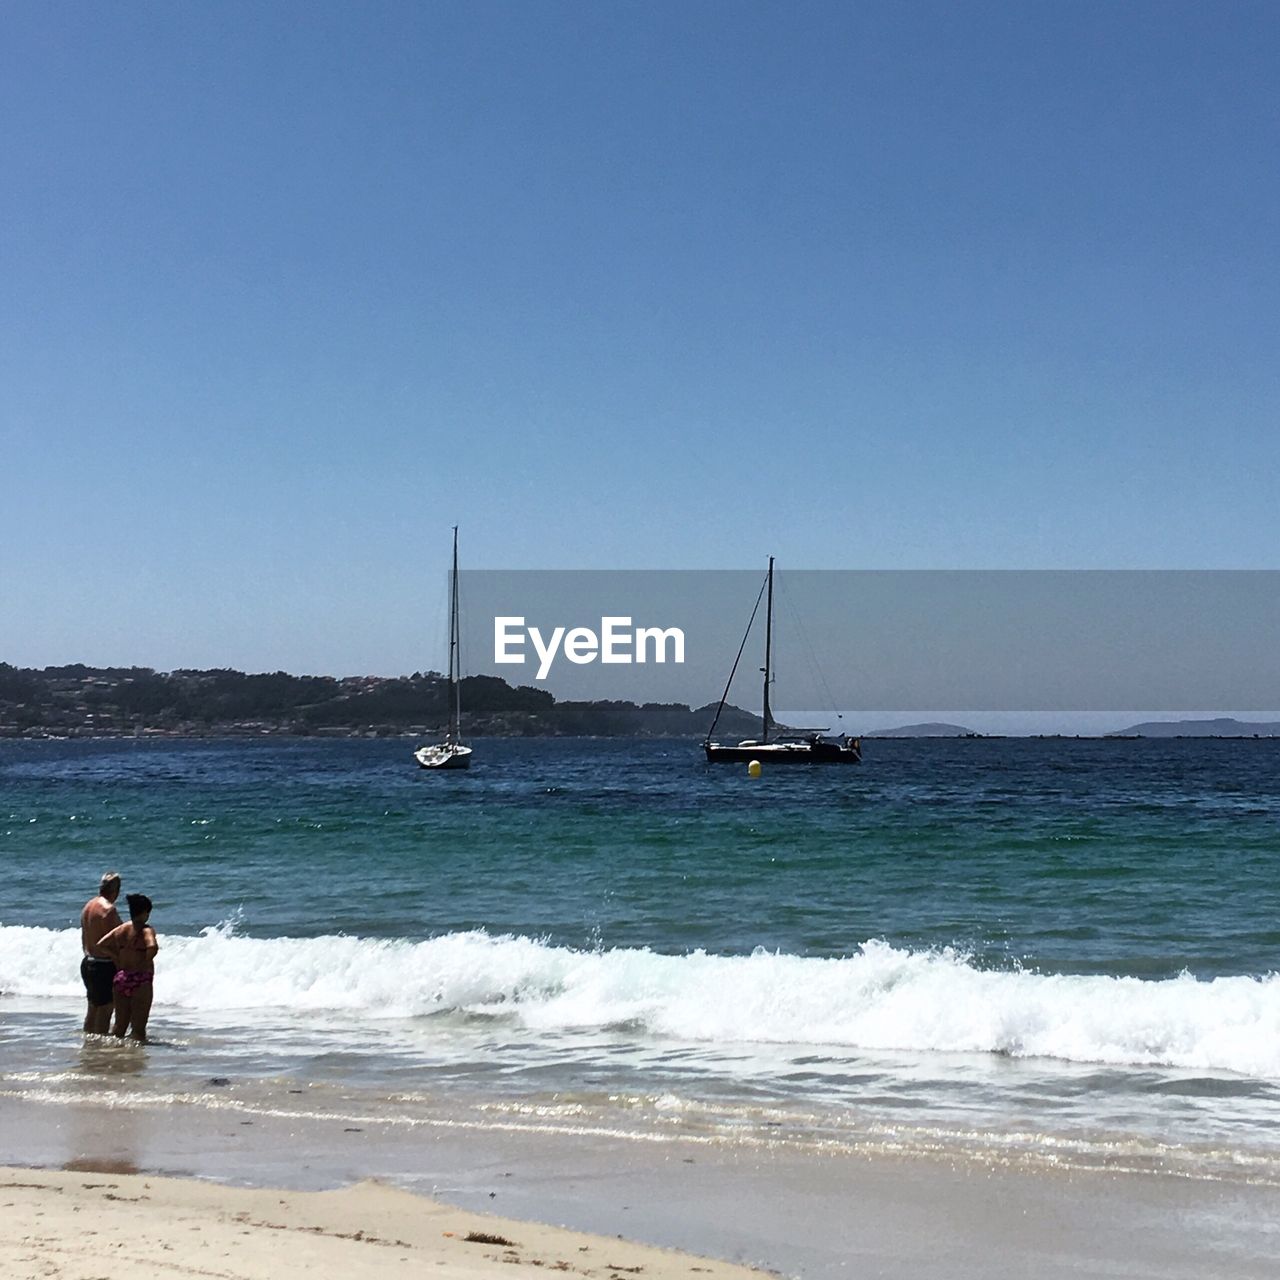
column 979, row 945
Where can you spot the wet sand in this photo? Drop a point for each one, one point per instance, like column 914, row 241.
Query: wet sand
column 799, row 1214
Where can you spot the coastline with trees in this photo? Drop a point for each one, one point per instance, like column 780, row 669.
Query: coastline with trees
column 82, row 701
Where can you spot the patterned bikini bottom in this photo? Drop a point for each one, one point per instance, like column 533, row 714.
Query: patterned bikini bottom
column 127, row 981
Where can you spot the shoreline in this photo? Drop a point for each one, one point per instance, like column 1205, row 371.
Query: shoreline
column 817, row 1216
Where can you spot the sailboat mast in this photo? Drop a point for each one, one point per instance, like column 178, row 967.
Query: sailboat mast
column 455, row 656
column 768, row 652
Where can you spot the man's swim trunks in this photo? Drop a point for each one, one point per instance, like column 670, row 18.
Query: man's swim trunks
column 97, row 975
column 127, row 981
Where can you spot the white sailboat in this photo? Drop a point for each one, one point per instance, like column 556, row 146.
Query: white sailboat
column 452, row 753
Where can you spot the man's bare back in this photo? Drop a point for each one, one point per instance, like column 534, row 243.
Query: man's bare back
column 97, row 920
column 97, row 969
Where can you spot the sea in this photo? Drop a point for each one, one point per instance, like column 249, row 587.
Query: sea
column 1034, row 953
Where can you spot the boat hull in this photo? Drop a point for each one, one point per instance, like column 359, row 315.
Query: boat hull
column 820, row 752
column 445, row 756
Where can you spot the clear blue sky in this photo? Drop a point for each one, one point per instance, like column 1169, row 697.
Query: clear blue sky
column 286, row 290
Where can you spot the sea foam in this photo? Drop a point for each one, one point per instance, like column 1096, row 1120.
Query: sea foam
column 880, row 997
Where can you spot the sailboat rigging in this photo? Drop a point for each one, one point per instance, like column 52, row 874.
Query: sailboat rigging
column 452, row 753
column 808, row 747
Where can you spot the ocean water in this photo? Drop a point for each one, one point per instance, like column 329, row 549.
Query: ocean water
column 1052, row 952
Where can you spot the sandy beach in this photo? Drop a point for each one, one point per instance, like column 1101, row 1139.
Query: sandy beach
column 81, row 1224
column 792, row 1213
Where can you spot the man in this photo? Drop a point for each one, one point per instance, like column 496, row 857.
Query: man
column 97, row 969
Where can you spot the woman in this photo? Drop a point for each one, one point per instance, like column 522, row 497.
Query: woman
column 133, row 947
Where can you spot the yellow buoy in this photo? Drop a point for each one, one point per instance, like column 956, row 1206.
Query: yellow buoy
column 753, row 769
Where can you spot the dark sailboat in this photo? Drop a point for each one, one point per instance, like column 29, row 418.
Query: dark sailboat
column 772, row 747
column 451, row 753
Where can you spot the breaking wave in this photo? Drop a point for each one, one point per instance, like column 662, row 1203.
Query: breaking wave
column 880, row 997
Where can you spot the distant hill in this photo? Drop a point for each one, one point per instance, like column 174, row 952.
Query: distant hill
column 930, row 730
column 1222, row 727
column 81, row 701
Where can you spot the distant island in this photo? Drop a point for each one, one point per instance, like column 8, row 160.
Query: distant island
column 928, row 730
column 82, row 701
column 79, row 701
column 1222, row 727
